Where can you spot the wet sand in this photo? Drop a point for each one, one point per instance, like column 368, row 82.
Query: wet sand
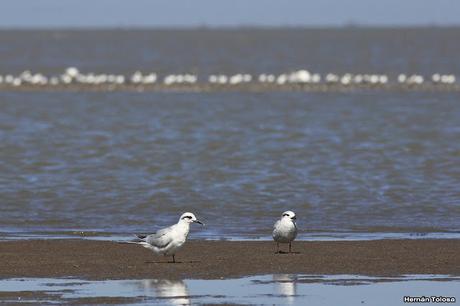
column 224, row 259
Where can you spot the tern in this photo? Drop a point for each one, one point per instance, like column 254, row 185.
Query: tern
column 285, row 230
column 169, row 240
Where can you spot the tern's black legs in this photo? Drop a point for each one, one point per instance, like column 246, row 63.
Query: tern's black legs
column 173, row 258
column 282, row 252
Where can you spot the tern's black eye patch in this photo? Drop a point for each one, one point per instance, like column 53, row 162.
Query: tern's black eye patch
column 186, row 217
column 285, row 215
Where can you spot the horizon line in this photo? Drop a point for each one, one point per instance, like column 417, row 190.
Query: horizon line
column 232, row 27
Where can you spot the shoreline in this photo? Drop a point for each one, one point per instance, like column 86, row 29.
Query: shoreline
column 319, row 236
column 248, row 87
column 203, row 259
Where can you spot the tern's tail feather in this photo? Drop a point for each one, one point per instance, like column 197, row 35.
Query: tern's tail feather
column 143, row 243
column 148, row 246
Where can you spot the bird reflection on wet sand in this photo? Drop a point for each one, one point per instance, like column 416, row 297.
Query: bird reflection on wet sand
column 286, row 285
column 175, row 292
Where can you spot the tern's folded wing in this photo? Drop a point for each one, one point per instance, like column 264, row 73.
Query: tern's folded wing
column 276, row 229
column 161, row 238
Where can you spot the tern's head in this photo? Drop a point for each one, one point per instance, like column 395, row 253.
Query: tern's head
column 289, row 215
column 188, row 217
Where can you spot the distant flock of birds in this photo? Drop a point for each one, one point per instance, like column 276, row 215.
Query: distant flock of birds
column 72, row 76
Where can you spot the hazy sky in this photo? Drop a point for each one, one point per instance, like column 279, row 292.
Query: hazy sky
column 173, row 13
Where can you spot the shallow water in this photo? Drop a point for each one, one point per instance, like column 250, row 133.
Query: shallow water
column 355, row 50
column 282, row 289
column 125, row 162
column 370, row 165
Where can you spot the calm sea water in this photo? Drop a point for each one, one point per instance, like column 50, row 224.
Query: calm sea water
column 390, row 51
column 119, row 162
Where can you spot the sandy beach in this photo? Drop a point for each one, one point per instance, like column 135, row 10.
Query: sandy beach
column 225, row 259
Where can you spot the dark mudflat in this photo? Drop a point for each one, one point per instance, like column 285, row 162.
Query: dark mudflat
column 224, row 259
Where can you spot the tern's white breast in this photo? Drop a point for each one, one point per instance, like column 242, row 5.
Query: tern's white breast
column 284, row 231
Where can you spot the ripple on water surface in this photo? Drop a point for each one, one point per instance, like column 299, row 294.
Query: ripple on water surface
column 134, row 161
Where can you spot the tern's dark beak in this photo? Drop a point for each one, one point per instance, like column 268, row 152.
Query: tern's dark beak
column 199, row 222
column 294, row 218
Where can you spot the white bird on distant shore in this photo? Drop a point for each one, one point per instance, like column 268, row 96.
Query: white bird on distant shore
column 285, row 230
column 169, row 240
